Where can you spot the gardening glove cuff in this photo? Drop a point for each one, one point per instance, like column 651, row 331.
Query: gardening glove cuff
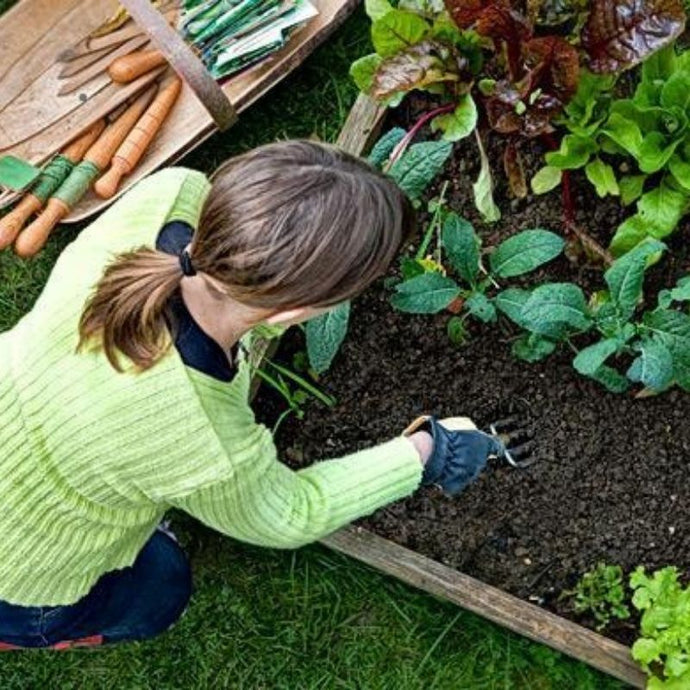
column 459, row 453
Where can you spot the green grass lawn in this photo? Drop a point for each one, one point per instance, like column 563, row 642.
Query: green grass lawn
column 263, row 619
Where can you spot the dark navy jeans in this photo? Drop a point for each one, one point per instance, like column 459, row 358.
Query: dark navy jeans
column 129, row 604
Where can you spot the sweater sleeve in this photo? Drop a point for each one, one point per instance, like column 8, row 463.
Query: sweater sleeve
column 271, row 505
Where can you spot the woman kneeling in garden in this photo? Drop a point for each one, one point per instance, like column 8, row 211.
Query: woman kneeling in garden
column 124, row 392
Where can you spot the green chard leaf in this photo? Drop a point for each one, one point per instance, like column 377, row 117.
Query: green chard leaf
column 654, row 366
column 662, row 208
column 603, row 178
column 479, row 305
column 590, row 359
column 397, row 30
column 383, row 148
column 629, row 234
column 376, row 9
column 680, row 169
column 546, row 179
column 574, row 152
column 363, row 70
column 556, row 305
column 531, row 347
column 325, row 335
column 626, row 275
column 419, row 165
column 631, row 187
column 461, row 244
column 483, row 188
column 428, row 293
column 458, row 124
column 524, row 252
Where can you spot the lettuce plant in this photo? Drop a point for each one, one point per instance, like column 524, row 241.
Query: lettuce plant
column 663, row 648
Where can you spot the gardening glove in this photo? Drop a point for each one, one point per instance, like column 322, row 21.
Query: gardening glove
column 459, row 454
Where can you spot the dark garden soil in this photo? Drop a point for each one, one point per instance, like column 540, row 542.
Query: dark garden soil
column 611, row 477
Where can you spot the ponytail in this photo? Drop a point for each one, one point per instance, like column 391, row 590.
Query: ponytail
column 128, row 308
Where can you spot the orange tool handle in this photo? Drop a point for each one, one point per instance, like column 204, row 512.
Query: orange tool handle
column 14, row 221
column 133, row 147
column 102, row 151
column 36, row 235
column 128, row 67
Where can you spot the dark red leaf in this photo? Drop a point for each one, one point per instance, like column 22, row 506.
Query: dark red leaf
column 466, row 12
column 619, row 34
column 553, row 65
column 417, row 67
column 512, row 164
column 509, row 112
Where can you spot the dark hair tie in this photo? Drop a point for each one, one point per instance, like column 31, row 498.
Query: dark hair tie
column 186, row 264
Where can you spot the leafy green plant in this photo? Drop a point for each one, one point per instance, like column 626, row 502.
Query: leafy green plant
column 600, row 593
column 428, row 46
column 433, row 290
column 663, row 648
column 413, row 167
column 657, row 341
column 293, row 388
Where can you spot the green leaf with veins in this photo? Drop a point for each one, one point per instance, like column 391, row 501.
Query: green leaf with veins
column 556, row 305
column 631, row 187
column 524, row 252
column 531, row 347
column 546, row 179
column 458, row 124
column 419, row 165
column 653, row 368
column 397, row 30
column 574, row 152
column 461, row 244
column 603, row 178
column 479, row 305
column 363, row 70
column 590, row 359
column 483, row 188
column 428, row 293
column 325, row 335
column 383, row 148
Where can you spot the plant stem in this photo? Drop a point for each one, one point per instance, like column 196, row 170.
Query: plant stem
column 407, row 139
column 428, row 235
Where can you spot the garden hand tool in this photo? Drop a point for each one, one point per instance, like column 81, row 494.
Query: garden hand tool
column 459, row 454
column 127, row 68
column 50, row 179
column 97, row 158
column 132, row 148
column 517, row 438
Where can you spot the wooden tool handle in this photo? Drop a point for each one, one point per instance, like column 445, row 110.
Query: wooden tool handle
column 34, row 236
column 13, row 222
column 133, row 147
column 75, row 151
column 101, row 153
column 129, row 67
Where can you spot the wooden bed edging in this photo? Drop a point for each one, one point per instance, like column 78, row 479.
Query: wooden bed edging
column 489, row 602
column 613, row 658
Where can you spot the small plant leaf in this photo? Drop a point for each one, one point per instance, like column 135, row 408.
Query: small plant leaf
column 483, row 188
column 589, row 360
column 629, row 234
column 611, row 379
column 626, row 275
column 461, row 244
column 654, row 366
column 619, row 35
column 384, row 146
column 397, row 30
column 458, row 124
column 603, row 178
column 531, row 347
column 325, row 335
column 376, row 9
column 574, row 152
column 511, row 302
column 661, row 209
column 672, row 329
column 546, row 179
column 363, row 70
column 428, row 293
column 457, row 333
column 631, row 187
column 479, row 305
column 524, row 252
column 680, row 169
column 419, row 166
column 680, row 293
column 417, row 67
column 556, row 303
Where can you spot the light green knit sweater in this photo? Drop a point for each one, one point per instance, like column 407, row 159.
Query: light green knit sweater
column 90, row 459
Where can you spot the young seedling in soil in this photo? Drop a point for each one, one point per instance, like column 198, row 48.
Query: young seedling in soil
column 601, row 594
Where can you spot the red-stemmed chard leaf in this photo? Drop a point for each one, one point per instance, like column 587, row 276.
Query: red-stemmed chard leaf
column 620, row 34
column 419, row 66
column 553, row 65
column 496, row 20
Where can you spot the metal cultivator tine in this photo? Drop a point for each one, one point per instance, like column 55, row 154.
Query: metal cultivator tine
column 517, row 437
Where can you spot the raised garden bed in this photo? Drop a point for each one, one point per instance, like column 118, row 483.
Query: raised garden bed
column 510, row 543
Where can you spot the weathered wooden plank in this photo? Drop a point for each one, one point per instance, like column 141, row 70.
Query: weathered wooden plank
column 490, row 602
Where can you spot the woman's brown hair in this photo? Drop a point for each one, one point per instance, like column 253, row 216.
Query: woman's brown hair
column 287, row 225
